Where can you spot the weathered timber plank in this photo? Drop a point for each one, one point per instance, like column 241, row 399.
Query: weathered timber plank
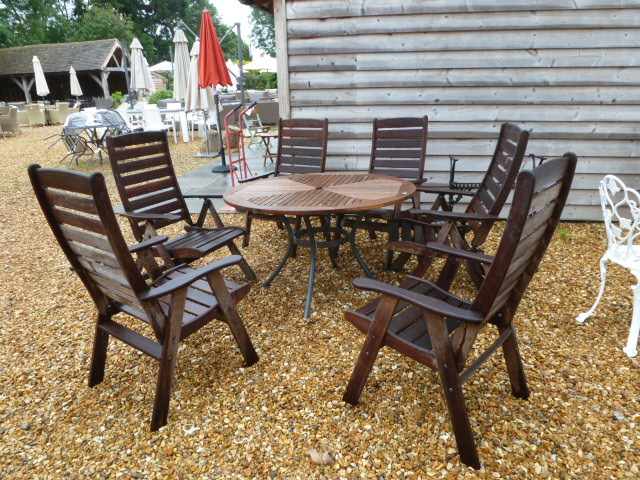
column 538, row 95
column 451, row 77
column 476, row 21
column 478, row 59
column 474, row 113
column 598, row 148
column 341, row 8
column 444, row 41
column 549, row 130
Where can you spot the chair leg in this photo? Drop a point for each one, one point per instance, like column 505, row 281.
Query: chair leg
column 603, row 280
column 99, row 355
column 244, row 266
column 372, row 344
column 632, row 342
column 515, row 368
column 231, row 316
column 247, row 228
column 168, row 360
column 394, row 236
column 453, row 393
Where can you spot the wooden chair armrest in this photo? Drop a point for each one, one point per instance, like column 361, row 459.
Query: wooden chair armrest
column 421, row 301
column 257, row 177
column 444, row 191
column 188, row 278
column 453, row 215
column 151, row 216
column 148, row 243
column 456, row 252
column 197, row 194
column 406, row 246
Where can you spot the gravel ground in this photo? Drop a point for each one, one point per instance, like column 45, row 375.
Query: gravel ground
column 581, row 420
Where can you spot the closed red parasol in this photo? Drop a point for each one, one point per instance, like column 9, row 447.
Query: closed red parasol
column 212, row 68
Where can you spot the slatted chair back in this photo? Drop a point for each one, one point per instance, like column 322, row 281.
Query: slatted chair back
column 145, row 178
column 399, row 147
column 79, row 212
column 538, row 201
column 302, row 146
column 501, row 174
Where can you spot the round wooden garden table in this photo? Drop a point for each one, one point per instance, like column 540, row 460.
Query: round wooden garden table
column 319, row 194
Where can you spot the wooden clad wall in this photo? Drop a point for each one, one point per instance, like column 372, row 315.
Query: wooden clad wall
column 568, row 70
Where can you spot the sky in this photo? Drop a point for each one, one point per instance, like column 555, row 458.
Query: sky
column 232, row 12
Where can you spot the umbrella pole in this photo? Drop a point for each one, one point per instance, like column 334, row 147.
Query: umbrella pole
column 223, row 167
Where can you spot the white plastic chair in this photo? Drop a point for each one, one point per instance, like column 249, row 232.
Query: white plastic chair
column 621, row 212
column 170, row 119
column 151, row 118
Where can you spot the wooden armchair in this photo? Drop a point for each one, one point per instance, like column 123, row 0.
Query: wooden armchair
column 152, row 199
column 176, row 303
column 443, row 226
column 302, row 148
column 425, row 322
column 398, row 148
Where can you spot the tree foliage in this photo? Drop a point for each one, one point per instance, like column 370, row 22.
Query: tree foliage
column 263, row 31
column 28, row 22
column 104, row 22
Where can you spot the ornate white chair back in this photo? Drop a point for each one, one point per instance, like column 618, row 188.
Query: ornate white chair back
column 621, row 212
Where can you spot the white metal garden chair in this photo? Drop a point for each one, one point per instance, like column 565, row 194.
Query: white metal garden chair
column 621, row 211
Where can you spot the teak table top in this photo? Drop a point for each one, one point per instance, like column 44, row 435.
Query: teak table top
column 319, row 193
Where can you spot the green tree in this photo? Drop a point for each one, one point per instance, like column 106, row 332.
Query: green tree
column 104, row 22
column 263, row 31
column 27, row 22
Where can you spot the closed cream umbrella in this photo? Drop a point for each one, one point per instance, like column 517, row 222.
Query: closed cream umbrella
column 42, row 89
column 148, row 78
column 197, row 98
column 76, row 91
column 139, row 74
column 181, row 65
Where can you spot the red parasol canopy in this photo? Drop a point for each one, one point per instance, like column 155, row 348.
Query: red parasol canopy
column 212, row 68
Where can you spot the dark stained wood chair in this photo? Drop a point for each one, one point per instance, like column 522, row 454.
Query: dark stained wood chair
column 441, row 225
column 151, row 197
column 398, row 149
column 425, row 322
column 176, row 303
column 302, row 148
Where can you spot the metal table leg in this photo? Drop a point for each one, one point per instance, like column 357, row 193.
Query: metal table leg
column 287, row 255
column 312, row 269
column 356, row 253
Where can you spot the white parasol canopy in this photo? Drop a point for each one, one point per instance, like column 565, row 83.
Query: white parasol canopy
column 76, row 91
column 148, row 78
column 42, row 89
column 181, row 65
column 197, row 98
column 263, row 63
column 140, row 74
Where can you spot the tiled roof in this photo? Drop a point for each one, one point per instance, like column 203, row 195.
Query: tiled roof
column 57, row 57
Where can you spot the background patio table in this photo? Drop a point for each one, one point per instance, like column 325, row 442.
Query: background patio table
column 319, row 194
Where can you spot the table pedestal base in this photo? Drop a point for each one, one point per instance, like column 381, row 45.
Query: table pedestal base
column 334, row 237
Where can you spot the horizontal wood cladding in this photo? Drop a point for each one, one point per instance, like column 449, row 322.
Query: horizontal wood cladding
column 342, row 8
column 566, row 70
